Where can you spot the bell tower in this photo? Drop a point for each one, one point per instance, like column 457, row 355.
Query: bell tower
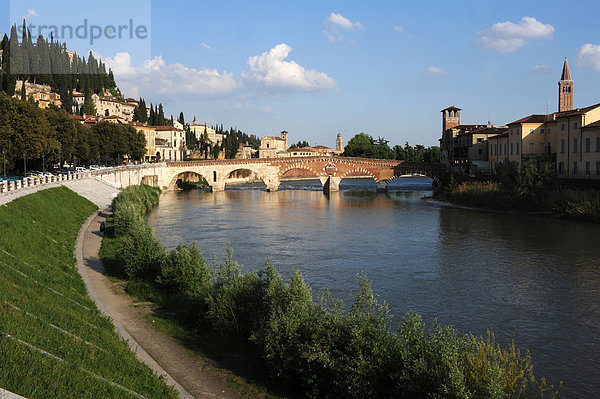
column 450, row 117
column 339, row 143
column 565, row 89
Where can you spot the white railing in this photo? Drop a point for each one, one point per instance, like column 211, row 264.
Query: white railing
column 30, row 182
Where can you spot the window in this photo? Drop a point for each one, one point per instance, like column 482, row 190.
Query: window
column 504, row 149
column 480, row 140
column 597, row 168
column 562, row 126
column 517, row 148
column 542, row 131
column 530, row 131
column 511, row 148
column 587, row 167
column 575, row 146
column 561, row 167
column 480, row 151
column 562, row 146
column 575, row 125
column 575, row 167
column 511, row 132
column 587, row 144
column 548, row 130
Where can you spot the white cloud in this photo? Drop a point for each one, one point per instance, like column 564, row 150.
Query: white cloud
column 399, row 29
column 541, row 70
column 206, row 46
column 435, row 71
column 155, row 76
column 31, row 13
column 589, row 55
column 338, row 21
column 336, row 24
column 507, row 36
column 270, row 70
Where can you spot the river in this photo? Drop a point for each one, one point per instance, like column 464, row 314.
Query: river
column 535, row 280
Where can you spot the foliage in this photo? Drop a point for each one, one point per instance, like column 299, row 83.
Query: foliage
column 52, row 133
column 536, row 176
column 185, row 271
column 364, row 146
column 47, row 62
column 506, row 171
column 44, row 302
column 300, row 144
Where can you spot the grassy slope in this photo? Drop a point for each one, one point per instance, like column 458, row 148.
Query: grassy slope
column 43, row 302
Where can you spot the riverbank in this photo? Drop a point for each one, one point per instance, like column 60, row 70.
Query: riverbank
column 283, row 325
column 54, row 341
column 136, row 320
column 558, row 203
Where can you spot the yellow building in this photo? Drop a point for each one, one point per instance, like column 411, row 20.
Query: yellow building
column 45, row 98
column 150, row 135
column 590, row 154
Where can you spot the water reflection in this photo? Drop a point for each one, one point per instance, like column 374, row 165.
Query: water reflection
column 532, row 279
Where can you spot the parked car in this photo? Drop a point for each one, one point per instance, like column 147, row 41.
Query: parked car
column 81, row 169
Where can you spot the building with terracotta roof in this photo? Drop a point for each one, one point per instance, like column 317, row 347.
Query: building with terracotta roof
column 570, row 137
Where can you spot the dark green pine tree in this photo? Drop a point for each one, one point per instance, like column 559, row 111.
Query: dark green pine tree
column 181, row 119
column 88, row 105
column 160, row 118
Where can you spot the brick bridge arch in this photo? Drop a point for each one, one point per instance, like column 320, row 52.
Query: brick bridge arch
column 329, row 170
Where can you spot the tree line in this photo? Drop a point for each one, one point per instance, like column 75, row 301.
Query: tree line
column 364, row 146
column 42, row 61
column 30, row 133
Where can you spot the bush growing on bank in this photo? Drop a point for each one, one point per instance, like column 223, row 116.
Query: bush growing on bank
column 531, row 187
column 316, row 346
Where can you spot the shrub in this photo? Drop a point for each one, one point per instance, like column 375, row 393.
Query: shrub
column 142, row 253
column 236, row 301
column 535, row 176
column 185, row 271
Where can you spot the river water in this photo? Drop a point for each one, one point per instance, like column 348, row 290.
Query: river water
column 535, row 280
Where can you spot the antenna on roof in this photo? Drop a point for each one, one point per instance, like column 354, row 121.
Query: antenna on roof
column 546, row 106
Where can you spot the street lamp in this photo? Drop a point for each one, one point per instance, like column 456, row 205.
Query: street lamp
column 25, row 163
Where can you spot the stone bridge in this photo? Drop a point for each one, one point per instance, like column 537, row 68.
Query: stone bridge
column 329, row 170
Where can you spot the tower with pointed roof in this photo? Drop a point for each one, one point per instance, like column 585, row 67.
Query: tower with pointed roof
column 565, row 90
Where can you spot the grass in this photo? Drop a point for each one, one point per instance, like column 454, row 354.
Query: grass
column 54, row 342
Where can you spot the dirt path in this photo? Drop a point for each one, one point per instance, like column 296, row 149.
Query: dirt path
column 192, row 377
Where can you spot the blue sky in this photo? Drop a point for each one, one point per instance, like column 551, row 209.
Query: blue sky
column 317, row 68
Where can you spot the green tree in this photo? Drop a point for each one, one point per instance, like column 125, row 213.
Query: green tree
column 360, row 145
column 89, row 108
column 535, row 176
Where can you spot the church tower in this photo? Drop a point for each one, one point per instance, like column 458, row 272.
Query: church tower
column 339, row 143
column 565, row 90
column 450, row 117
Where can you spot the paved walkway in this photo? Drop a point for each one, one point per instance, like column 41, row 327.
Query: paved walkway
column 197, row 378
